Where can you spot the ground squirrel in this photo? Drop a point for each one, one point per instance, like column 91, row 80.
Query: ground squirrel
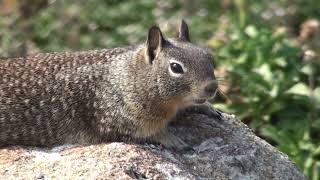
column 104, row 95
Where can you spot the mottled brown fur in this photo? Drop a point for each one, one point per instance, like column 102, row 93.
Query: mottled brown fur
column 93, row 96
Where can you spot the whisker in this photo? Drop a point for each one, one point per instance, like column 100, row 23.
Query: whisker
column 227, row 80
column 224, row 94
column 223, row 83
column 222, row 80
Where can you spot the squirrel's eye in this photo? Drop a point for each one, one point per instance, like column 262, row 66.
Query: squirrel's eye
column 176, row 68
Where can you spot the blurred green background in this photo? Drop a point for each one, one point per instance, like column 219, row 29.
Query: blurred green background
column 267, row 53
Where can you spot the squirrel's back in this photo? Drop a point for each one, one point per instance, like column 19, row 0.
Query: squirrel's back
column 41, row 94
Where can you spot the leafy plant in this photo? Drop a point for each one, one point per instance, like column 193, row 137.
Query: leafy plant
column 267, row 73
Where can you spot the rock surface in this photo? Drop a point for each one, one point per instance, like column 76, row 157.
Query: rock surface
column 223, row 149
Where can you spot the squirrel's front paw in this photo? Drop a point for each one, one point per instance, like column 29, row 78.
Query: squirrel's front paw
column 170, row 141
column 205, row 108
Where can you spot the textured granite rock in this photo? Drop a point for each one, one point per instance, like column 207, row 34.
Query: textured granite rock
column 223, row 149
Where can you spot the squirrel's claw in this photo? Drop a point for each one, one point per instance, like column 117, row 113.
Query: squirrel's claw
column 169, row 140
column 205, row 108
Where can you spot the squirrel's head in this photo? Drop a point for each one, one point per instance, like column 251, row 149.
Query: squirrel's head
column 182, row 70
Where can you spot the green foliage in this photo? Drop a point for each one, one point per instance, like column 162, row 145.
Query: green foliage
column 91, row 24
column 271, row 87
column 276, row 100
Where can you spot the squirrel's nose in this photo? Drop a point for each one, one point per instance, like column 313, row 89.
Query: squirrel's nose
column 211, row 88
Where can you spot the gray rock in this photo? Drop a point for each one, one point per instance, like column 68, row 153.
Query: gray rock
column 223, row 149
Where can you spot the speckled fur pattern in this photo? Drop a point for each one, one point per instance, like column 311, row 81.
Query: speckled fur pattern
column 94, row 96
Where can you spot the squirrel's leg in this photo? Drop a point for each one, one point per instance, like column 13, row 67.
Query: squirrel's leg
column 169, row 140
column 205, row 108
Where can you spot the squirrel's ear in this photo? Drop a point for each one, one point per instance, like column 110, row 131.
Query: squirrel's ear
column 184, row 31
column 154, row 43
